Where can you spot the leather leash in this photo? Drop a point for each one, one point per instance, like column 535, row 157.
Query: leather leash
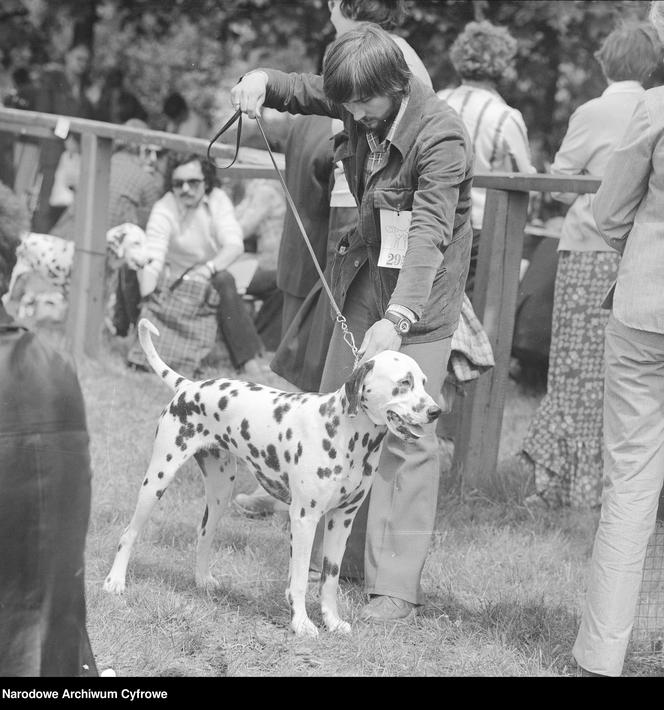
column 237, row 116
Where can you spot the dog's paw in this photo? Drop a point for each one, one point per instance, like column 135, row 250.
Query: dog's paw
column 114, row 586
column 337, row 625
column 304, row 627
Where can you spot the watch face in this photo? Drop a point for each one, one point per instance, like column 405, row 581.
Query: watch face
column 401, row 325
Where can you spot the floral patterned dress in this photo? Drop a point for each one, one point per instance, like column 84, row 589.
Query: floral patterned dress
column 563, row 446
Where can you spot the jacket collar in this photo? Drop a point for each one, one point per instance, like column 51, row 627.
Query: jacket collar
column 618, row 87
column 407, row 130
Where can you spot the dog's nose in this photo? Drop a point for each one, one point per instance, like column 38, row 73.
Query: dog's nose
column 434, row 412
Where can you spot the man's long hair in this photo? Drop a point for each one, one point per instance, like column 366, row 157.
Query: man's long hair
column 364, row 63
column 175, row 160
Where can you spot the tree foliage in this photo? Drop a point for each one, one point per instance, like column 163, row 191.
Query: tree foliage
column 201, row 47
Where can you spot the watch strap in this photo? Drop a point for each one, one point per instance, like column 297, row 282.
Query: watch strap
column 401, row 324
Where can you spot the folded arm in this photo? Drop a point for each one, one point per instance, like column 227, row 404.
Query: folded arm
column 625, row 180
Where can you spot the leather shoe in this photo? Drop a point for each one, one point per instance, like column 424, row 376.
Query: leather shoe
column 384, row 608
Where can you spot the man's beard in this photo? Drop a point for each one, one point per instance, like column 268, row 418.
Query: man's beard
column 373, row 124
column 379, row 125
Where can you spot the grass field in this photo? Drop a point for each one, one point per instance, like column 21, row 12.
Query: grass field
column 504, row 584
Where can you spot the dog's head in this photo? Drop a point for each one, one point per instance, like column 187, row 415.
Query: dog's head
column 128, row 243
column 389, row 388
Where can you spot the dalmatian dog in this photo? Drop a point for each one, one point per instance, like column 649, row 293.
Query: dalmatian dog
column 52, row 257
column 127, row 244
column 316, row 452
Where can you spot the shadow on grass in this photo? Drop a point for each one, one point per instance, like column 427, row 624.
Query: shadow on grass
column 533, row 627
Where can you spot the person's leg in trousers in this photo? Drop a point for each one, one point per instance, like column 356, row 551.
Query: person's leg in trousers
column 263, row 286
column 404, row 496
column 633, row 474
column 127, row 300
column 360, row 313
column 237, row 327
column 392, row 529
column 289, row 310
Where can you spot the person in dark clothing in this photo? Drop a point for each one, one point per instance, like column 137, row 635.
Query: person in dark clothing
column 309, row 163
column 44, row 493
column 61, row 91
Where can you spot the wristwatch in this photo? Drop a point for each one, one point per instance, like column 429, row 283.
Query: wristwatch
column 401, row 324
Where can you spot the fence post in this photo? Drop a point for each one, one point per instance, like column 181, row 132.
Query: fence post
column 86, row 299
column 494, row 301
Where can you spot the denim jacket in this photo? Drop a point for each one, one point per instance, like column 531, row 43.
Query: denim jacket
column 428, row 172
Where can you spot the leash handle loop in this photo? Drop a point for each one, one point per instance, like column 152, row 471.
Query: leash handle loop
column 237, row 116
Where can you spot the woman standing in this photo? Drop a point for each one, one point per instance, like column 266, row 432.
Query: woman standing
column 563, row 447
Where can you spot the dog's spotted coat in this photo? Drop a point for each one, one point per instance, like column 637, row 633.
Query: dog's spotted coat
column 316, row 452
column 52, row 257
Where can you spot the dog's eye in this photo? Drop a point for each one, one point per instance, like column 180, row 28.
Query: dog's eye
column 406, row 383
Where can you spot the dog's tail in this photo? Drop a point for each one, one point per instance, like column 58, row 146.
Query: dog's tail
column 169, row 376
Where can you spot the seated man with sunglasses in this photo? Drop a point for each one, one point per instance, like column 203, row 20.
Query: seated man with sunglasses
column 194, row 225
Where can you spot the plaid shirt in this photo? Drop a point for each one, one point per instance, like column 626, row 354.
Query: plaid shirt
column 378, row 150
column 471, row 350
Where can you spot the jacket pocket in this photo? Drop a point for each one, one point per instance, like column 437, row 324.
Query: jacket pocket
column 394, row 199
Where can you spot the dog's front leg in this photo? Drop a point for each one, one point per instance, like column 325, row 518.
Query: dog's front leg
column 303, row 528
column 338, row 523
column 218, row 469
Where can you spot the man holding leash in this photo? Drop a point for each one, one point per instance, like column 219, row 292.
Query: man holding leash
column 409, row 166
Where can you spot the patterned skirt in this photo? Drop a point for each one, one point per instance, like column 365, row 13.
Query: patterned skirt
column 563, row 446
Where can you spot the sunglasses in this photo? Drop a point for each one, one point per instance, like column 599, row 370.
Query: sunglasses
column 192, row 182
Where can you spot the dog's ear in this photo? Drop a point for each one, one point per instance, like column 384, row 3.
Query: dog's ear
column 354, row 387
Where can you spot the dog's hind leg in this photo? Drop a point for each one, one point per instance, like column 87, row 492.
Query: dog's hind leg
column 338, row 523
column 303, row 527
column 160, row 473
column 219, row 469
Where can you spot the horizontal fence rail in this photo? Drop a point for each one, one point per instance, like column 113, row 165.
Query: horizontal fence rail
column 479, row 424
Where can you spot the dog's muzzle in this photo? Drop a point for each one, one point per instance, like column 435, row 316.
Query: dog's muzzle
column 408, row 429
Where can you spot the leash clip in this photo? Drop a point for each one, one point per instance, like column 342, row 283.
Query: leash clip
column 348, row 337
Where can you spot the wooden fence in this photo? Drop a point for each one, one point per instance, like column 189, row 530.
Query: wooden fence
column 477, row 437
column 494, row 300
